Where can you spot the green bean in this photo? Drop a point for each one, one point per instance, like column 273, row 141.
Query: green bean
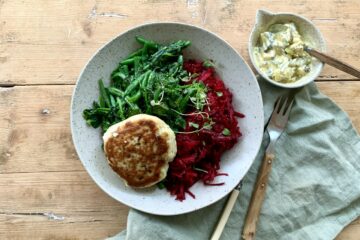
column 128, row 61
column 120, row 112
column 102, row 110
column 101, row 102
column 134, row 84
column 116, row 92
column 144, row 81
column 95, row 112
column 112, row 101
column 149, row 43
column 157, row 94
column 150, row 80
column 119, row 74
column 145, row 88
column 134, row 98
column 169, row 51
column 133, row 107
column 136, row 53
column 146, row 100
column 145, row 50
column 137, row 66
column 125, row 70
column 103, row 93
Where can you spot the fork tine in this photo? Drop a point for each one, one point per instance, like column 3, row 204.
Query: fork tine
column 283, row 107
column 277, row 104
column 288, row 110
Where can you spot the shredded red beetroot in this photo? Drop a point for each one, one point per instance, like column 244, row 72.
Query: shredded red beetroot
column 198, row 154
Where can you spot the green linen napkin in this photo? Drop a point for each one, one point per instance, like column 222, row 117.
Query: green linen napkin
column 313, row 190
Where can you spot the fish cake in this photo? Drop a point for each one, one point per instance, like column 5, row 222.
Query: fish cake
column 139, row 149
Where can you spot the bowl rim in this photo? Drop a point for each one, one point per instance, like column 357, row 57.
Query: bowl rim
column 170, row 23
column 286, row 14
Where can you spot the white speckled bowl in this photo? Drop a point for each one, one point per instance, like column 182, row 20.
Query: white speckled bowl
column 307, row 30
column 233, row 70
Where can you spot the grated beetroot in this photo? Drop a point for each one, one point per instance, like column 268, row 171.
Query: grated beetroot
column 198, row 156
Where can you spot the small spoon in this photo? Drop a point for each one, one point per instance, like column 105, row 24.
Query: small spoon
column 333, row 62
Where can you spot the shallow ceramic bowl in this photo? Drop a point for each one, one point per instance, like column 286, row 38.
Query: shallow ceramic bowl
column 307, row 30
column 232, row 69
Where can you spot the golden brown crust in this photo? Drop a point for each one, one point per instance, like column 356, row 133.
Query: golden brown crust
column 137, row 152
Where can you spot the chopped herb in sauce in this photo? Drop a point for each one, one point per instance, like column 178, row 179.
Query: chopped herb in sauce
column 280, row 53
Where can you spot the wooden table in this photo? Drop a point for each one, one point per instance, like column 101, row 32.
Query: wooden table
column 45, row 193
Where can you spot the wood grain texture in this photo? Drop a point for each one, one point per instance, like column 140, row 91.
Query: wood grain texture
column 26, row 198
column 257, row 197
column 327, row 59
column 59, row 35
column 43, row 46
column 36, row 120
column 32, row 183
column 230, row 203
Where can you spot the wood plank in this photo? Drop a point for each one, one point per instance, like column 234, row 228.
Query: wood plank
column 27, row 201
column 346, row 95
column 37, row 143
column 34, row 130
column 351, row 232
column 52, row 42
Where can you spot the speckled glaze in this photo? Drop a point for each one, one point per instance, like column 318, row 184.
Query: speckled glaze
column 307, row 30
column 236, row 75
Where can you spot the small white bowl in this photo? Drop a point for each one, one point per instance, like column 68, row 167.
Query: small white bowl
column 307, row 30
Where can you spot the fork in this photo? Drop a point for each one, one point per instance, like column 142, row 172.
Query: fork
column 276, row 126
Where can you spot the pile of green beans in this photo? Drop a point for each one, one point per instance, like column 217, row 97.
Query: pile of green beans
column 151, row 80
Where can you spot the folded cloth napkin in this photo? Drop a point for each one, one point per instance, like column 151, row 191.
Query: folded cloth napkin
column 314, row 185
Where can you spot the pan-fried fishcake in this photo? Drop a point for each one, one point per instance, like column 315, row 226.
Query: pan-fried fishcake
column 139, row 149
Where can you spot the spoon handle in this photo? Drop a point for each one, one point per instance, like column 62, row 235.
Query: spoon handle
column 334, row 62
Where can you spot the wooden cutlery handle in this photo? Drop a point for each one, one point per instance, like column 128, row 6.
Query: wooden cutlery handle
column 257, row 198
column 335, row 63
column 225, row 215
